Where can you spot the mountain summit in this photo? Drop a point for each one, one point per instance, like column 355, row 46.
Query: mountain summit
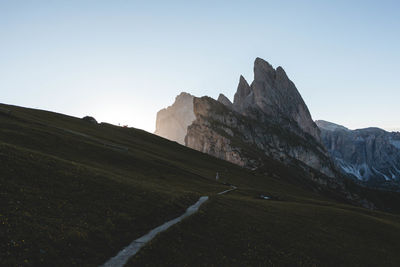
column 268, row 119
column 275, row 96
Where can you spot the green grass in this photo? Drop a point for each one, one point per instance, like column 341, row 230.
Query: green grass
column 75, row 193
column 237, row 230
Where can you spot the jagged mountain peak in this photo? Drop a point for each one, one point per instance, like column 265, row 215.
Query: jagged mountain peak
column 263, row 70
column 243, row 90
column 266, row 119
column 273, row 94
column 224, row 100
column 242, row 80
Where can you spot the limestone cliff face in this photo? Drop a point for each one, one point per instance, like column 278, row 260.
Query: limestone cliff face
column 371, row 155
column 267, row 119
column 276, row 97
column 173, row 121
column 224, row 100
column 243, row 140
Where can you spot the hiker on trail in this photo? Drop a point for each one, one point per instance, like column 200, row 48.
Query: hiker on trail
column 217, row 177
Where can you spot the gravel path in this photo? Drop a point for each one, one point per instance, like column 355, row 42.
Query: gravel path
column 124, row 255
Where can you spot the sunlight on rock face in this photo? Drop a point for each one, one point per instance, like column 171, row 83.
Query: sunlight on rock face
column 173, row 121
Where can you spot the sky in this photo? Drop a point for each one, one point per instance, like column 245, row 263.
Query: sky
column 121, row 61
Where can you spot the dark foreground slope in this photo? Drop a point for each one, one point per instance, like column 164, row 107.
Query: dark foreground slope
column 74, row 193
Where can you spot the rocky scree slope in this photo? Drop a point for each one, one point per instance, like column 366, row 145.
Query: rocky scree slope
column 370, row 155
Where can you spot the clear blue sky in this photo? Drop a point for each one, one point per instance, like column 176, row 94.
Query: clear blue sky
column 122, row 61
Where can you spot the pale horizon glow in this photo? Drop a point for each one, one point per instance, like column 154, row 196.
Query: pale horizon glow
column 122, row 61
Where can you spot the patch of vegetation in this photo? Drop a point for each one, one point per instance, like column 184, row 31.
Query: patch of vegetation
column 75, row 193
column 240, row 230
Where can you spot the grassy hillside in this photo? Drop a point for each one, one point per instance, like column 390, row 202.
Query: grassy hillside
column 240, row 230
column 75, row 193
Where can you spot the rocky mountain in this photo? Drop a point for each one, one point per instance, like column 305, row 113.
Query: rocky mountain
column 371, row 155
column 267, row 119
column 276, row 97
column 172, row 122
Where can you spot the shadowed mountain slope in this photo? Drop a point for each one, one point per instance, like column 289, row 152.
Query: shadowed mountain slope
column 75, row 192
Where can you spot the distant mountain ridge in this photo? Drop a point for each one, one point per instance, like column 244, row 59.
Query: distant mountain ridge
column 371, row 155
